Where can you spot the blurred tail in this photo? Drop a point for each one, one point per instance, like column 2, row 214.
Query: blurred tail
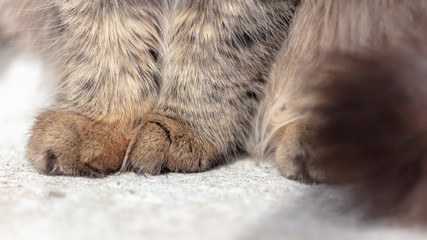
column 370, row 115
column 347, row 102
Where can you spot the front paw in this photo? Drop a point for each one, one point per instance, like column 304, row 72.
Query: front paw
column 64, row 143
column 163, row 144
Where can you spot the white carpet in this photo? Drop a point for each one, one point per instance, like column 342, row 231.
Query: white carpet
column 239, row 201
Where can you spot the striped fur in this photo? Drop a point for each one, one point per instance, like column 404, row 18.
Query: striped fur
column 181, row 85
column 179, row 81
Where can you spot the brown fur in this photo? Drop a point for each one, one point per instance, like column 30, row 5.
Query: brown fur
column 178, row 79
column 75, row 145
column 173, row 85
column 348, row 100
column 379, row 100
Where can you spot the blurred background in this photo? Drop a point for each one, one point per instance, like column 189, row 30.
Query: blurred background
column 22, row 91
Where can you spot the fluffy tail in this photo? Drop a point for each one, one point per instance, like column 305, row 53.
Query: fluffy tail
column 359, row 115
column 370, row 118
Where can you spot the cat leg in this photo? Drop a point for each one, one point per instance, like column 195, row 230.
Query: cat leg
column 216, row 66
column 110, row 78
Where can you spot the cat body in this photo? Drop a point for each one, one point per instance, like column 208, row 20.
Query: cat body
column 181, row 85
column 346, row 101
column 171, row 83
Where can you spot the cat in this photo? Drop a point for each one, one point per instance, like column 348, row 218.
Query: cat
column 332, row 90
column 346, row 102
column 151, row 86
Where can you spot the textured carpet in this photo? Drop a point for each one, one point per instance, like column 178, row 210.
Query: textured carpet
column 241, row 200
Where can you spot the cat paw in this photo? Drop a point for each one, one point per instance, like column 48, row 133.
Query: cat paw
column 64, row 143
column 163, row 144
column 295, row 155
